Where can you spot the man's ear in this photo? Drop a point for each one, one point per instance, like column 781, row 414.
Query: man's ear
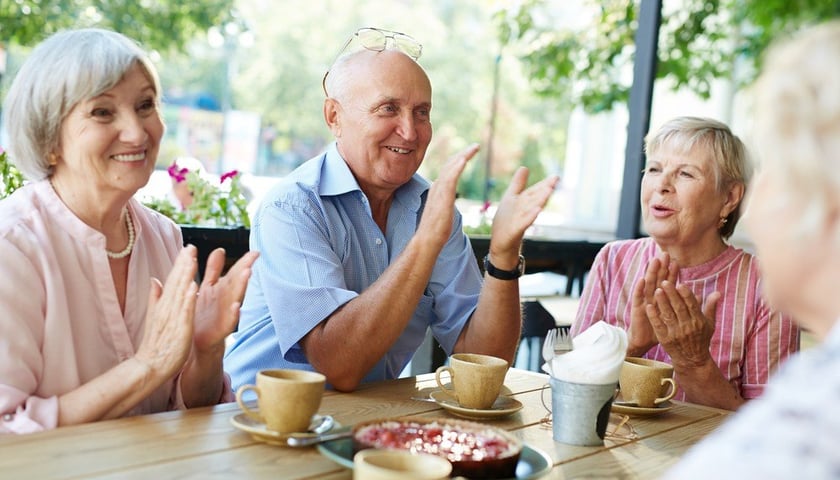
column 332, row 117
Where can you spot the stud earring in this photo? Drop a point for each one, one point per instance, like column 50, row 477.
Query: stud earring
column 722, row 222
column 52, row 159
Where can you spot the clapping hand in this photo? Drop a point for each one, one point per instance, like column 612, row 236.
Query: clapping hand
column 219, row 299
column 436, row 222
column 640, row 334
column 683, row 329
column 518, row 209
column 168, row 334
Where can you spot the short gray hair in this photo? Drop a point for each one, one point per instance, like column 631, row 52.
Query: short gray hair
column 797, row 126
column 728, row 154
column 63, row 70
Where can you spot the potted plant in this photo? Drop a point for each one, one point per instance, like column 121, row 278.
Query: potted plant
column 216, row 217
column 212, row 204
column 11, row 177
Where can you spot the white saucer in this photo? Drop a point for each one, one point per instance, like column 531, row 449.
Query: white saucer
column 502, row 407
column 261, row 433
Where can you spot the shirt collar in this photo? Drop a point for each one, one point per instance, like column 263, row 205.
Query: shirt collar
column 337, row 179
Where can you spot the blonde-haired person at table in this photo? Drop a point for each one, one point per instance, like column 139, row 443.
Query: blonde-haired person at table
column 684, row 295
column 88, row 331
column 793, row 430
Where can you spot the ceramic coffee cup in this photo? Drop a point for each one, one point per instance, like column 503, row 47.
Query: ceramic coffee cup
column 645, row 382
column 287, row 399
column 476, row 379
column 373, row 464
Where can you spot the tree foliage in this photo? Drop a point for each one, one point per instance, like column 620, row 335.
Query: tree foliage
column 699, row 41
column 279, row 76
column 277, row 73
column 156, row 24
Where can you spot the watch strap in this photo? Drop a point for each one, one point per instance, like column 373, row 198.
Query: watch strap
column 500, row 274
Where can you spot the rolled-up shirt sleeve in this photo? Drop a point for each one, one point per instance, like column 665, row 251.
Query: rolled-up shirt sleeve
column 21, row 339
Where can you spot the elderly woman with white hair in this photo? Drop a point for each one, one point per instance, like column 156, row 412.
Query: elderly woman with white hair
column 88, row 331
column 794, row 219
column 684, row 295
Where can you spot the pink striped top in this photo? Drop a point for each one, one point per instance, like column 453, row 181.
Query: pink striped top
column 750, row 339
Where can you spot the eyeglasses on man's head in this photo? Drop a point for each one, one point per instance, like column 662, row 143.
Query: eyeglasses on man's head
column 378, row 39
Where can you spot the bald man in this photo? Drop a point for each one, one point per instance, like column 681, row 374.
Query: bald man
column 360, row 255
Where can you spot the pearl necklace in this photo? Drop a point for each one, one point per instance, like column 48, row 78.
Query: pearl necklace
column 127, row 250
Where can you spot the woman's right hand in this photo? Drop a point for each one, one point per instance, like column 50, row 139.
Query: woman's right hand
column 168, row 334
column 640, row 335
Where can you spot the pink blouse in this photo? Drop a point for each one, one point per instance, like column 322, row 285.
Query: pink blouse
column 750, row 339
column 61, row 323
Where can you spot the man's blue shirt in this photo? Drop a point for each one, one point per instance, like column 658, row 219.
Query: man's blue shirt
column 319, row 249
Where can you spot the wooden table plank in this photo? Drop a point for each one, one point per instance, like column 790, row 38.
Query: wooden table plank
column 259, row 461
column 638, row 460
column 118, row 443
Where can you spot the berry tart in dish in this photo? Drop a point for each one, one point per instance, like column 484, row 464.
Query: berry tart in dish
column 475, row 450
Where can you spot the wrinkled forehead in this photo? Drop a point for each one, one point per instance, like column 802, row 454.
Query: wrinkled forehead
column 681, row 153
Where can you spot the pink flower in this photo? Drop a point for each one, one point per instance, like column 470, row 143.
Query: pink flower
column 485, row 207
column 179, row 174
column 227, row 175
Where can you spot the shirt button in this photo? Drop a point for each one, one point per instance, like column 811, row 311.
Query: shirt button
column 379, row 241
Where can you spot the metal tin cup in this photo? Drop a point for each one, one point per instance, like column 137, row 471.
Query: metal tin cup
column 580, row 412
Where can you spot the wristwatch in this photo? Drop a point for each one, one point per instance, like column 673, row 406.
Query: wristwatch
column 504, row 274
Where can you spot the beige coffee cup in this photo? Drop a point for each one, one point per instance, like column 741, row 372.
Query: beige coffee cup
column 374, row 464
column 646, row 382
column 476, row 379
column 287, row 399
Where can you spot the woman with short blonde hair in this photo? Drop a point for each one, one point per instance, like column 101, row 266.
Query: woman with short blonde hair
column 684, row 295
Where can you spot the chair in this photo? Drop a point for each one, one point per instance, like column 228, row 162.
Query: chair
column 536, row 322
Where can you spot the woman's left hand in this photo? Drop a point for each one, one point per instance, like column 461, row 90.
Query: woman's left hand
column 683, row 329
column 219, row 299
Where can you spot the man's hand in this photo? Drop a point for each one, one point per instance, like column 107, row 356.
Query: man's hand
column 436, row 222
column 517, row 211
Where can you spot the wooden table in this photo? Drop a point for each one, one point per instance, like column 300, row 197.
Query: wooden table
column 201, row 443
